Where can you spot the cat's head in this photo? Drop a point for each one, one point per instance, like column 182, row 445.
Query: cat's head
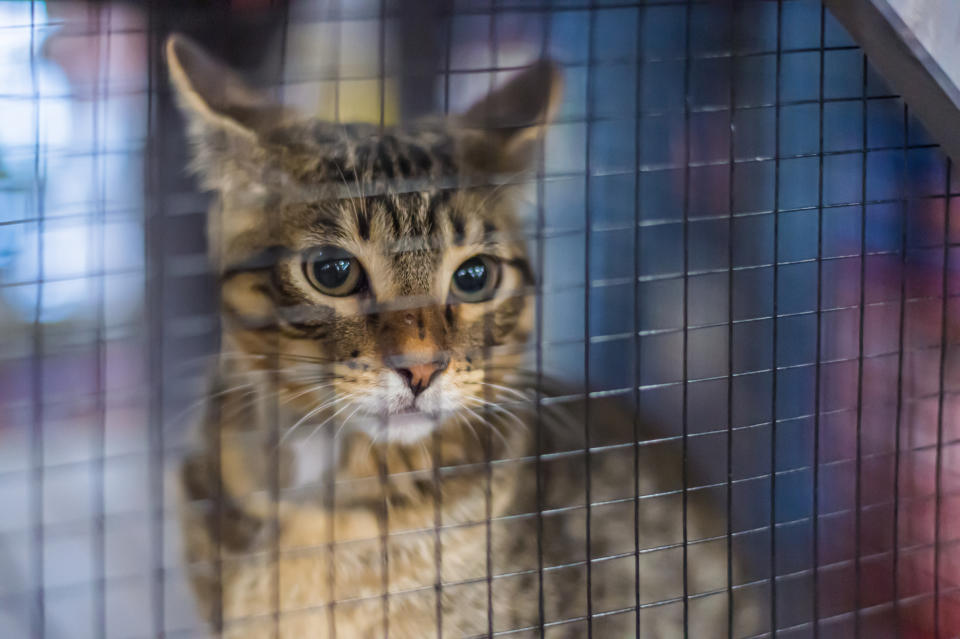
column 376, row 271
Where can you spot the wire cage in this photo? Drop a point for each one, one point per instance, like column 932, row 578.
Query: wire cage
column 739, row 233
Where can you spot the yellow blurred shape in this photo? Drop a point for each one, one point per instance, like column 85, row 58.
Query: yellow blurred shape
column 359, row 101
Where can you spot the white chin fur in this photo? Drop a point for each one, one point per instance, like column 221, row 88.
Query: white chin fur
column 312, row 453
column 389, row 417
column 402, row 428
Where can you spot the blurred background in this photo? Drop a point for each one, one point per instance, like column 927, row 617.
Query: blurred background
column 747, row 231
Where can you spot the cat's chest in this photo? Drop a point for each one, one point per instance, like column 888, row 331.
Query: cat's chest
column 371, row 571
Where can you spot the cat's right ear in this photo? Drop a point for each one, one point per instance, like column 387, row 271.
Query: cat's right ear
column 502, row 128
column 224, row 114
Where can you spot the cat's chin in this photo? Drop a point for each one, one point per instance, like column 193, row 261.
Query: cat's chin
column 407, row 427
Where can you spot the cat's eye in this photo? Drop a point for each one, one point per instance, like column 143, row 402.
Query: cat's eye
column 477, row 279
column 334, row 272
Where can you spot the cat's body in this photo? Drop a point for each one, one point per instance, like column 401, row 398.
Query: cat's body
column 297, row 571
column 368, row 464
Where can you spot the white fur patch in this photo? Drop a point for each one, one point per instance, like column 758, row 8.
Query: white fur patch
column 313, row 459
column 393, row 414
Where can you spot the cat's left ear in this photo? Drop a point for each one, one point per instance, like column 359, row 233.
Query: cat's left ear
column 504, row 127
column 225, row 115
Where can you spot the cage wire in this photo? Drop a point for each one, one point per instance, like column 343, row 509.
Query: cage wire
column 738, row 231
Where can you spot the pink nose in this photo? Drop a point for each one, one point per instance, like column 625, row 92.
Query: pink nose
column 420, row 376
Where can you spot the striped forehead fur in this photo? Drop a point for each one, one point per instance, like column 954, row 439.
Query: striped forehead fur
column 400, row 190
column 328, row 154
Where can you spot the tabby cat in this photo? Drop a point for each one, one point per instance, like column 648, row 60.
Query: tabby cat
column 367, row 464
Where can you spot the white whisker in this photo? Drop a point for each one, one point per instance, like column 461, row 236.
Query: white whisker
column 202, row 402
column 313, row 412
column 490, row 426
column 344, row 422
column 500, row 409
column 327, row 420
column 463, row 418
column 506, row 389
column 311, row 389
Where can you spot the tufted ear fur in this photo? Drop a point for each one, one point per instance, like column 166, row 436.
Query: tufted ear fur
column 502, row 129
column 225, row 115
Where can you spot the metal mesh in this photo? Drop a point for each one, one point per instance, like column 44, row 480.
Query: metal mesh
column 739, row 232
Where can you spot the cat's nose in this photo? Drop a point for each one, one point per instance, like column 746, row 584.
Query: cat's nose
column 419, row 376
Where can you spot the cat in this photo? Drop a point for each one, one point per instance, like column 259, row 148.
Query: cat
column 367, row 465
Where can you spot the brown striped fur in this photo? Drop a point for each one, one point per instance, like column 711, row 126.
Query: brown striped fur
column 311, row 508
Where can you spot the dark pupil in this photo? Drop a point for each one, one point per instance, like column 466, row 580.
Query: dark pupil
column 332, row 273
column 471, row 276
